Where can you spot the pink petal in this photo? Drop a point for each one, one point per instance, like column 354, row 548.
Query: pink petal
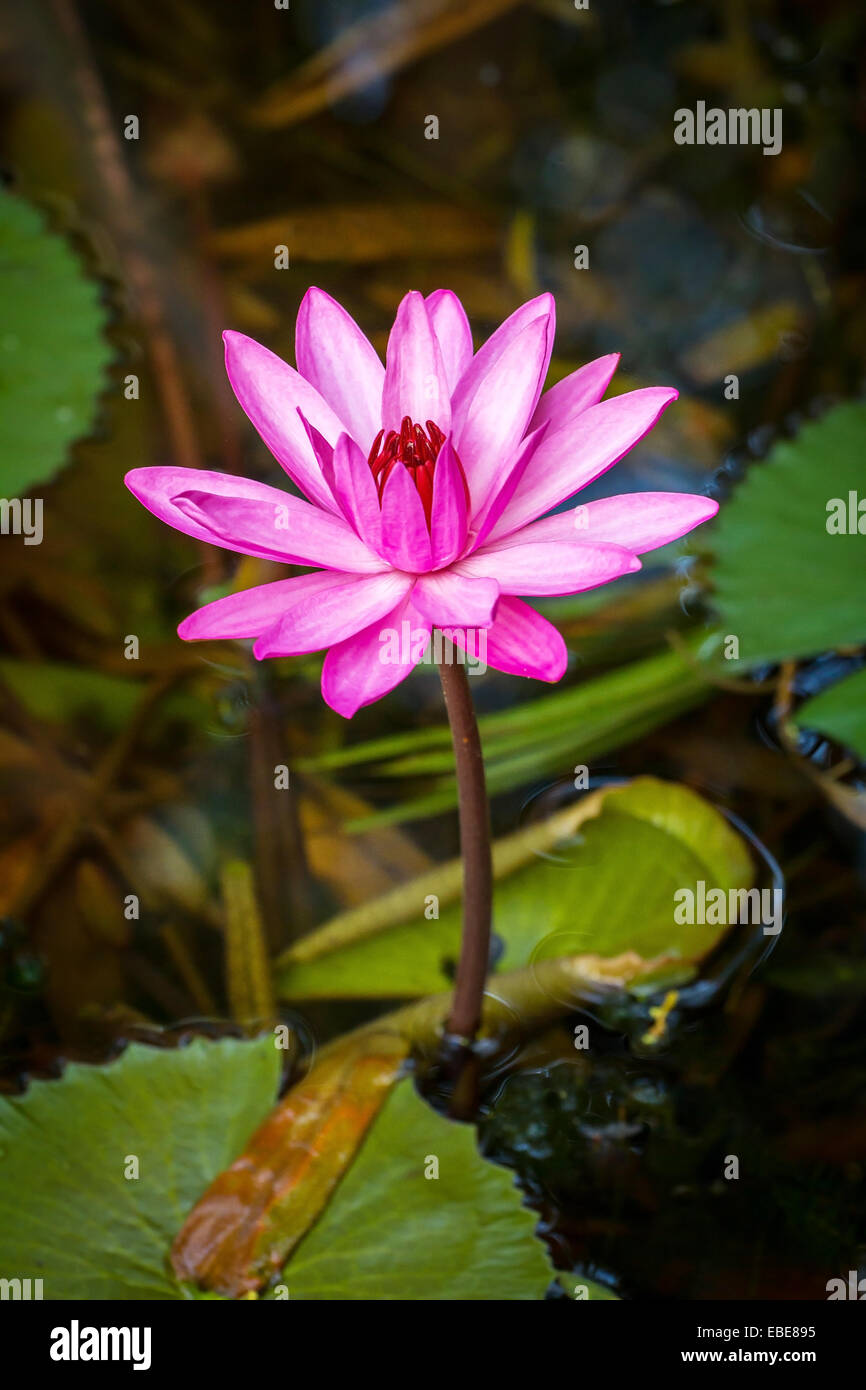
column 252, row 611
column 271, row 393
column 323, row 613
column 415, row 382
column 405, row 538
column 251, row 518
column 450, row 599
column 576, row 393
column 570, row 458
column 365, row 667
column 335, row 357
column 448, row 514
column 323, row 451
column 640, row 521
column 521, row 642
column 451, row 326
column 549, row 567
column 502, row 491
column 490, row 423
column 245, row 614
column 486, row 356
column 350, row 479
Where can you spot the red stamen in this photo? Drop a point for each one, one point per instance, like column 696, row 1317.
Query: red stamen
column 424, row 484
column 417, row 450
column 376, row 446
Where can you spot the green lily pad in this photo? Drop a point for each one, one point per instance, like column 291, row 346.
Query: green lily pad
column 53, row 354
column 840, row 712
column 73, row 1214
column 68, row 1213
column 611, row 892
column 785, row 585
column 393, row 1232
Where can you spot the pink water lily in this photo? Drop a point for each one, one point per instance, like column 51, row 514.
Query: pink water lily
column 424, row 482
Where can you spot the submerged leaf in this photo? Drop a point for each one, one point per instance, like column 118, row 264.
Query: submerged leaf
column 445, row 881
column 57, row 692
column 360, row 233
column 542, row 735
column 373, row 47
column 743, row 344
column 359, row 868
column 609, row 891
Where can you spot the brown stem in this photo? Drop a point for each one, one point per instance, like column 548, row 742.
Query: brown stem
column 474, row 848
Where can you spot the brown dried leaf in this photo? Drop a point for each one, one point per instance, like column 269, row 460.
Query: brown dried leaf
column 364, row 52
column 160, row 870
column 739, row 346
column 358, row 233
column 242, row 1231
column 355, row 867
column 248, row 976
column 18, row 862
column 101, row 905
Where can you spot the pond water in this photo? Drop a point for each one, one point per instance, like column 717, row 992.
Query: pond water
column 729, row 270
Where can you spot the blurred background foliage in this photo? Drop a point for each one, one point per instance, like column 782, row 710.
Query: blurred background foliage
column 122, row 260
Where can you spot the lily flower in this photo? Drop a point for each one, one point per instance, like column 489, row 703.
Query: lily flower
column 423, row 482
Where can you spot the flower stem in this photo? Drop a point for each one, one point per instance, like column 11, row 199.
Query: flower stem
column 475, row 850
